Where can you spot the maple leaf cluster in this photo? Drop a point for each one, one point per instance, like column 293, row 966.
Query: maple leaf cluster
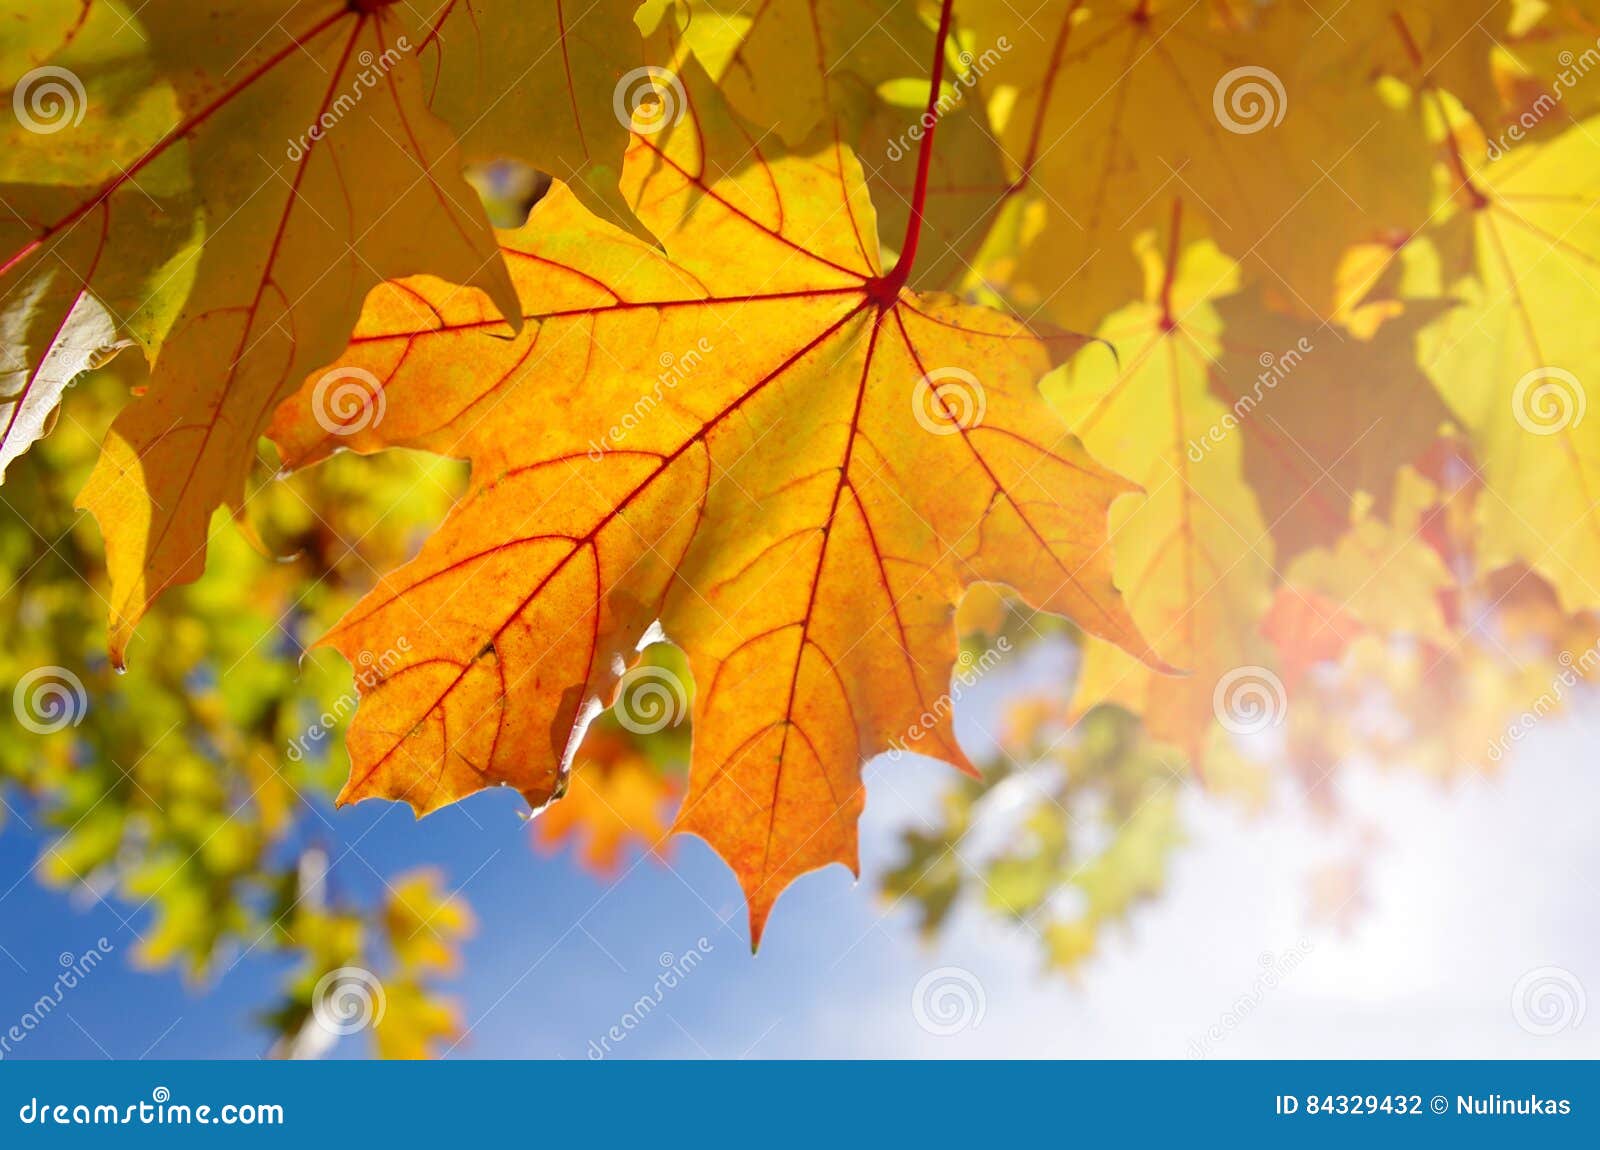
column 1243, row 336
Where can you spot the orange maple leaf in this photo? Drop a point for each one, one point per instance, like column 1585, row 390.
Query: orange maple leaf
column 760, row 441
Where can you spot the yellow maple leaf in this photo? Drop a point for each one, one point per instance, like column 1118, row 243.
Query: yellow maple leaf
column 1113, row 109
column 857, row 70
column 1549, row 53
column 316, row 150
column 1429, row 44
column 1193, row 556
column 1520, row 252
column 425, row 923
column 83, row 270
column 416, row 1023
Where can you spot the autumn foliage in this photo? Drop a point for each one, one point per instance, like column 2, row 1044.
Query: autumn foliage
column 1249, row 339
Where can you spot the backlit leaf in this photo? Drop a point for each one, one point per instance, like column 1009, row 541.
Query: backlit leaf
column 732, row 439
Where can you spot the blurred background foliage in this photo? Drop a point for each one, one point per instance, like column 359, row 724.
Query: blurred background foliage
column 191, row 787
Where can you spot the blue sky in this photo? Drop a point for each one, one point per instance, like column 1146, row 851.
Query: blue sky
column 1472, row 888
